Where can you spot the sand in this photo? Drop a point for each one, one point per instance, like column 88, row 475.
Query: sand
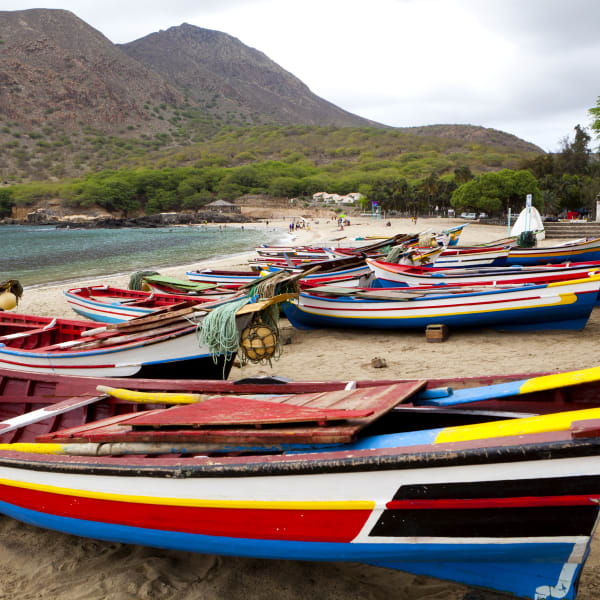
column 74, row 568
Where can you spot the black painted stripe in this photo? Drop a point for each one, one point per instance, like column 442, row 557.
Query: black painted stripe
column 553, row 486
column 542, row 521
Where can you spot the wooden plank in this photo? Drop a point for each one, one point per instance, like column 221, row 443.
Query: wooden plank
column 379, row 400
column 115, row 339
column 232, row 410
column 139, row 322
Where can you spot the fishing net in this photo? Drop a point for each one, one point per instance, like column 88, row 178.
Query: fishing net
column 393, row 256
column 219, row 331
column 526, row 239
column 274, row 284
column 136, row 281
column 261, row 341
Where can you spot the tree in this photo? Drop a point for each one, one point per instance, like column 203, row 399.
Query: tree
column 462, row 175
column 392, row 193
column 574, row 157
column 595, row 114
column 495, row 192
column 6, row 202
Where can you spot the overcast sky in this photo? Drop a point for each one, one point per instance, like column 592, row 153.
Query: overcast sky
column 527, row 67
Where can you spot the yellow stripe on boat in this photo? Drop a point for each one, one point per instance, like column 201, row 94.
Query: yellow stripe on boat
column 558, row 380
column 525, row 426
column 198, row 502
column 151, row 397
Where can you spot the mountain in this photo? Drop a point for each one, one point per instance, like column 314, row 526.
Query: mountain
column 219, row 71
column 56, row 70
column 71, row 101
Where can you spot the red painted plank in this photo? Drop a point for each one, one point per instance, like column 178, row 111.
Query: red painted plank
column 233, row 410
column 377, row 401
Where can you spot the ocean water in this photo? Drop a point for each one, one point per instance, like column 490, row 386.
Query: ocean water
column 38, row 255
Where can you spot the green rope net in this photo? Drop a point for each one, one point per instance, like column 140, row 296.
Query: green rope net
column 136, row 280
column 219, row 331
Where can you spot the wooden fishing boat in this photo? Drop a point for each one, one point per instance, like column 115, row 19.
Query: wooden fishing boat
column 173, row 285
column 496, row 498
column 394, row 275
column 231, row 279
column 244, row 279
column 165, row 345
column 108, row 304
column 585, row 250
column 475, row 256
column 319, row 253
column 558, row 305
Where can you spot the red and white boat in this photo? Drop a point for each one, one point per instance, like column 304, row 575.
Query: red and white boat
column 115, row 305
column 153, row 346
column 502, row 494
column 394, row 275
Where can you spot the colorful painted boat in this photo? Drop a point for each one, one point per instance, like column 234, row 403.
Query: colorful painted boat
column 476, row 256
column 166, row 346
column 172, row 285
column 394, row 275
column 559, row 305
column 504, row 501
column 114, row 305
column 575, row 251
column 450, row 236
column 231, row 279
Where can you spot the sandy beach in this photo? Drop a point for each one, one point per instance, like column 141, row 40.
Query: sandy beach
column 75, row 568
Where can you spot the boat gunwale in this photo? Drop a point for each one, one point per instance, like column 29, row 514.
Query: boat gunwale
column 334, row 462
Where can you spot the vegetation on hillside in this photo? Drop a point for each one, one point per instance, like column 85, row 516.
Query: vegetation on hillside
column 46, row 152
column 404, row 173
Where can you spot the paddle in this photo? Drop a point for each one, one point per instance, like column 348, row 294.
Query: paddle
column 47, row 412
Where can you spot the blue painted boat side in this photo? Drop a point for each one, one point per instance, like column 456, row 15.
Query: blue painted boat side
column 512, row 577
column 96, row 317
column 524, row 260
column 571, row 317
column 533, row 567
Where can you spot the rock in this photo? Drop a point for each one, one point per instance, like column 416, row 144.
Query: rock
column 378, row 363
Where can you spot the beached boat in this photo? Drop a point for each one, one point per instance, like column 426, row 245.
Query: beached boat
column 324, row 274
column 559, row 305
column 475, row 256
column 114, row 305
column 585, row 250
column 495, row 498
column 394, row 275
column 168, row 285
column 165, row 345
column 231, row 279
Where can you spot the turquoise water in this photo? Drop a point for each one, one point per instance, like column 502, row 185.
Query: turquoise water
column 38, row 255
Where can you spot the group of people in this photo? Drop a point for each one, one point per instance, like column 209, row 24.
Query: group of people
column 298, row 225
